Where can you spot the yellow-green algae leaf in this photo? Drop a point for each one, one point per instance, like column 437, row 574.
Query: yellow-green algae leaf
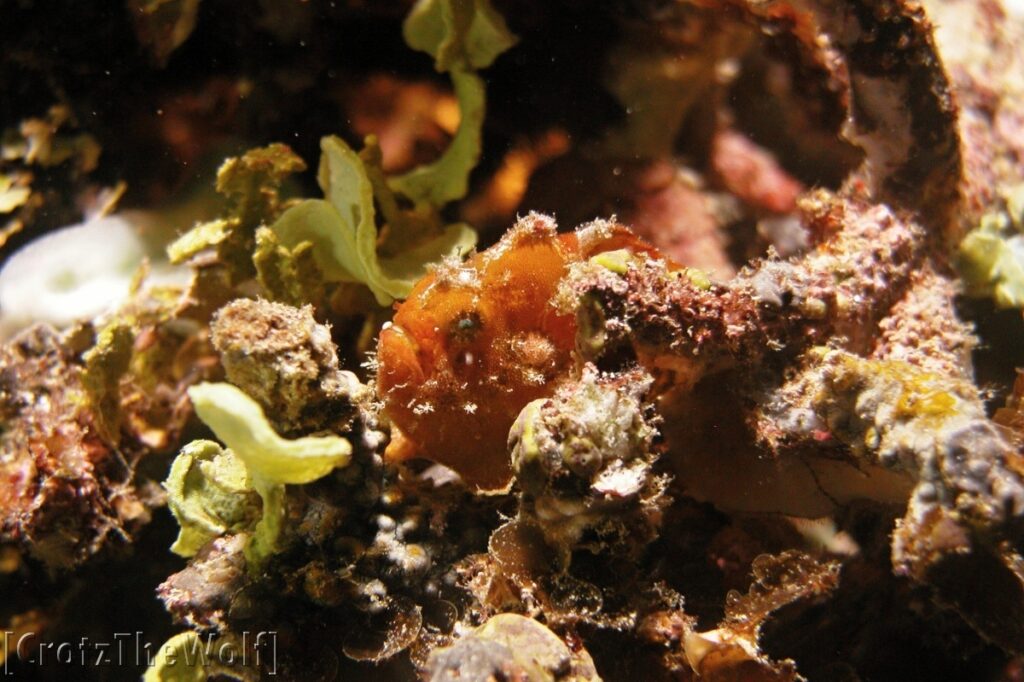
column 12, row 196
column 239, row 422
column 343, row 230
column 991, row 257
column 270, row 460
column 251, row 181
column 447, row 178
column 462, row 36
column 193, row 657
column 210, row 494
column 105, row 364
column 250, row 185
column 993, row 264
column 466, row 33
column 201, row 237
column 288, row 275
column 182, row 658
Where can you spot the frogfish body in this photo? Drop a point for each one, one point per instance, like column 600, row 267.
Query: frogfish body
column 476, row 341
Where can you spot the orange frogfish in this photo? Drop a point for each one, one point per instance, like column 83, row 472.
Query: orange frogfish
column 476, row 341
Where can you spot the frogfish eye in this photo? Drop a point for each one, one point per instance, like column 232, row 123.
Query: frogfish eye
column 465, row 326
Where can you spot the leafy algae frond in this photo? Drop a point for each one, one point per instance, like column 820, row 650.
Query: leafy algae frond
column 343, row 228
column 270, row 460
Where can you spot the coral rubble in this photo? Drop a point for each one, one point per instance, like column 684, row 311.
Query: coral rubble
column 693, row 440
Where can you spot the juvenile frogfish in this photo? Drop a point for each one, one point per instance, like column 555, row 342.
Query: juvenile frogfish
column 476, row 341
